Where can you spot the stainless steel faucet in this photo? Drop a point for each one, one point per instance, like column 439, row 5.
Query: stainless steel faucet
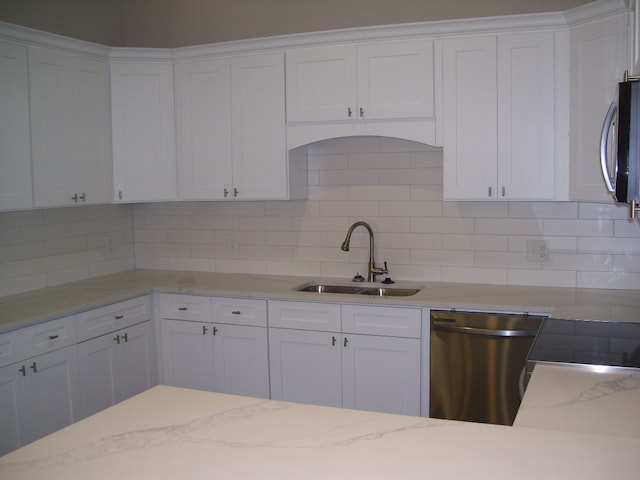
column 373, row 270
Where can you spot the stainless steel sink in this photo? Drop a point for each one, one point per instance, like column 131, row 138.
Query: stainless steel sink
column 378, row 291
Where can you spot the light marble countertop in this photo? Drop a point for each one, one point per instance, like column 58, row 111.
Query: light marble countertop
column 567, row 303
column 169, row 432
column 582, row 398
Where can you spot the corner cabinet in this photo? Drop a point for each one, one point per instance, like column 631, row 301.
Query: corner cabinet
column 15, row 155
column 116, row 353
column 144, row 167
column 499, row 124
column 214, row 344
column 352, row 356
column 70, row 128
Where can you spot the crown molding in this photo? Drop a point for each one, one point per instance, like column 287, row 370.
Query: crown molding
column 32, row 37
column 596, row 10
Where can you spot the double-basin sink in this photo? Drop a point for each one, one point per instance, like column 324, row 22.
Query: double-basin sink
column 362, row 289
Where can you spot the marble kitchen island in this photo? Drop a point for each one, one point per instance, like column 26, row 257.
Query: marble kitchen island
column 169, row 432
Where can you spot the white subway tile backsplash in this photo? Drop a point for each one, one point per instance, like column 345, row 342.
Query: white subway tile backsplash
column 395, row 185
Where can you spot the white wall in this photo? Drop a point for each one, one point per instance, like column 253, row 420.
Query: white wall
column 42, row 248
column 396, row 186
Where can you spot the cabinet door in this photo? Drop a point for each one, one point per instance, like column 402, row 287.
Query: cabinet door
column 241, row 360
column 321, row 84
column 258, row 127
column 187, row 354
column 15, row 151
column 305, row 366
column 54, row 393
column 526, row 112
column 395, row 80
column 98, row 374
column 469, row 89
column 70, row 128
column 598, row 61
column 143, row 132
column 203, row 129
column 381, row 374
column 136, row 367
column 10, row 400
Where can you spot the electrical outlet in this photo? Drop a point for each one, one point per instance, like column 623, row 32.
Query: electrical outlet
column 537, row 250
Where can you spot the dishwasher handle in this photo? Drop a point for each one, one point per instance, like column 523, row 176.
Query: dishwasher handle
column 447, row 327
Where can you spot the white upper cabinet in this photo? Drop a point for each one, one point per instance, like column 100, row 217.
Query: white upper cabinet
column 499, row 117
column 15, row 147
column 366, row 82
column 70, row 128
column 598, row 62
column 230, row 126
column 144, row 166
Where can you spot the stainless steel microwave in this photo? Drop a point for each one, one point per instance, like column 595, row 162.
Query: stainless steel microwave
column 620, row 145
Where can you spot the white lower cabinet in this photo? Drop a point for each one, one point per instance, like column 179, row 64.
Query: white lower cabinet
column 378, row 372
column 215, row 344
column 38, row 396
column 116, row 366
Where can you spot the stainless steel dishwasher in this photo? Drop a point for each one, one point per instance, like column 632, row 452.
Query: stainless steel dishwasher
column 478, row 364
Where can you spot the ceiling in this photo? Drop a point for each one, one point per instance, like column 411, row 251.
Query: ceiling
column 176, row 23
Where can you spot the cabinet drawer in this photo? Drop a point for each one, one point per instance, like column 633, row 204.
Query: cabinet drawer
column 48, row 336
column 112, row 317
column 240, row 311
column 387, row 321
column 305, row 316
column 185, row 307
column 11, row 350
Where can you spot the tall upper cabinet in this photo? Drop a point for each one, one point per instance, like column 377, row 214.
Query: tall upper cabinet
column 15, row 151
column 598, row 45
column 143, row 128
column 230, row 128
column 70, row 128
column 499, row 117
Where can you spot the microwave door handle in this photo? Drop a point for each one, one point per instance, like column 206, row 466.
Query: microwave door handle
column 604, row 145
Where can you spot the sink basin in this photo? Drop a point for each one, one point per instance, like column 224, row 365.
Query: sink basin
column 368, row 289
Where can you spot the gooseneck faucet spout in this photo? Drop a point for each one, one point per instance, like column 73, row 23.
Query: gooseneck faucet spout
column 373, row 270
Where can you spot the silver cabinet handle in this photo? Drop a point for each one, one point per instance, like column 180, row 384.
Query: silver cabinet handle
column 609, row 120
column 483, row 331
